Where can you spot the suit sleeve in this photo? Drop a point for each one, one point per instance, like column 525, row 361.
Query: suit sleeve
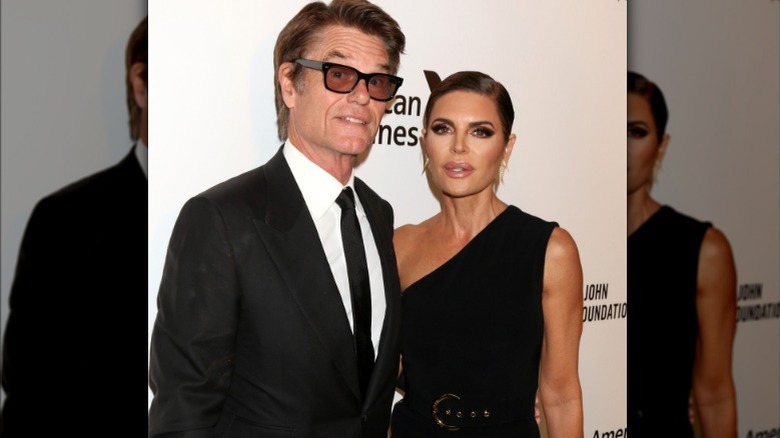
column 36, row 305
column 193, row 339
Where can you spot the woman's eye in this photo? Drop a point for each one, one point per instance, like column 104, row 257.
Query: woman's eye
column 440, row 129
column 483, row 132
column 637, row 132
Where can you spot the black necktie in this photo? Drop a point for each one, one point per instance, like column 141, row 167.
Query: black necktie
column 359, row 287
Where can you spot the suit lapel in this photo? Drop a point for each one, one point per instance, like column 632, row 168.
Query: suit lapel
column 291, row 239
column 387, row 358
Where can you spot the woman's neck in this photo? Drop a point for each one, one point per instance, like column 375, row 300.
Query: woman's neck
column 464, row 218
column 640, row 207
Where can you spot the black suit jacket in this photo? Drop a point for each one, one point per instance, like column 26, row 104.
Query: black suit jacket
column 78, row 307
column 251, row 336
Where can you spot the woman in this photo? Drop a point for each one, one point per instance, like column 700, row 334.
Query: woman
column 681, row 293
column 492, row 295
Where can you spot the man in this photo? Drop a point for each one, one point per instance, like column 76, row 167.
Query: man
column 257, row 332
column 77, row 303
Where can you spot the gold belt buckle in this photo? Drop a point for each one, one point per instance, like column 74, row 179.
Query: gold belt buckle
column 435, row 409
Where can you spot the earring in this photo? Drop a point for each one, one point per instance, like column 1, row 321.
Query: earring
column 501, row 171
column 426, row 160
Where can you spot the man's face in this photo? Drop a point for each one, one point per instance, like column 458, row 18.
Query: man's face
column 326, row 125
column 137, row 75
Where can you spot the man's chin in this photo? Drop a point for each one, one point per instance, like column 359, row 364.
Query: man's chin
column 355, row 146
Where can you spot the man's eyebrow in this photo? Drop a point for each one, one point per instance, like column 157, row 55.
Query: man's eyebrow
column 337, row 55
column 334, row 54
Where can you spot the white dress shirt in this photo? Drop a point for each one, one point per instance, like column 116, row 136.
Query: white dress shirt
column 142, row 155
column 320, row 190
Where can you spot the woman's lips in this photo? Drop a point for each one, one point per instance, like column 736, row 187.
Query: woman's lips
column 458, row 169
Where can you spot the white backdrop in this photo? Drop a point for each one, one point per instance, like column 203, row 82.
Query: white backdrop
column 212, row 117
column 718, row 64
column 64, row 114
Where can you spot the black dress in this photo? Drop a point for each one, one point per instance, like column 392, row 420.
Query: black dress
column 473, row 329
column 663, row 260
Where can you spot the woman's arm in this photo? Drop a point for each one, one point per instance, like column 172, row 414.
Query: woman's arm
column 559, row 383
column 713, row 386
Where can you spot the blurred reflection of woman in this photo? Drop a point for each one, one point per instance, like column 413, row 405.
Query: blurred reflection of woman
column 681, row 295
column 492, row 295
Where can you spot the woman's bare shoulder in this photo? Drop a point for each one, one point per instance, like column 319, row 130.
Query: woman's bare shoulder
column 715, row 247
column 407, row 235
column 404, row 231
column 717, row 272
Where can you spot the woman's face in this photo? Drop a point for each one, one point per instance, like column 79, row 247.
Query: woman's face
column 644, row 147
column 465, row 144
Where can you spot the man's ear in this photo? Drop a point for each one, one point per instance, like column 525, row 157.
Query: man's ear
column 287, row 84
column 138, row 82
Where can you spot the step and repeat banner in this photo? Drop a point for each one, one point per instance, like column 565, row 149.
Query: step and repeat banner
column 718, row 64
column 212, row 117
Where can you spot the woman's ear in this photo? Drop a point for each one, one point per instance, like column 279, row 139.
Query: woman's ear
column 510, row 145
column 659, row 155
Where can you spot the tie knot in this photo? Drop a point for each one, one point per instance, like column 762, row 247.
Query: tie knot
column 346, row 199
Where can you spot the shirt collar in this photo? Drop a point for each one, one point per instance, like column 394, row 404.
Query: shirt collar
column 319, row 188
column 142, row 155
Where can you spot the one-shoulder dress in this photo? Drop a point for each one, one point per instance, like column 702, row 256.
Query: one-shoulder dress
column 473, row 336
column 663, row 261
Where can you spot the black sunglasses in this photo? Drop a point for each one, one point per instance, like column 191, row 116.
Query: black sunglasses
column 343, row 79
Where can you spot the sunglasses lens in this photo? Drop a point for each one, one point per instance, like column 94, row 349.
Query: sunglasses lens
column 342, row 79
column 381, row 87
